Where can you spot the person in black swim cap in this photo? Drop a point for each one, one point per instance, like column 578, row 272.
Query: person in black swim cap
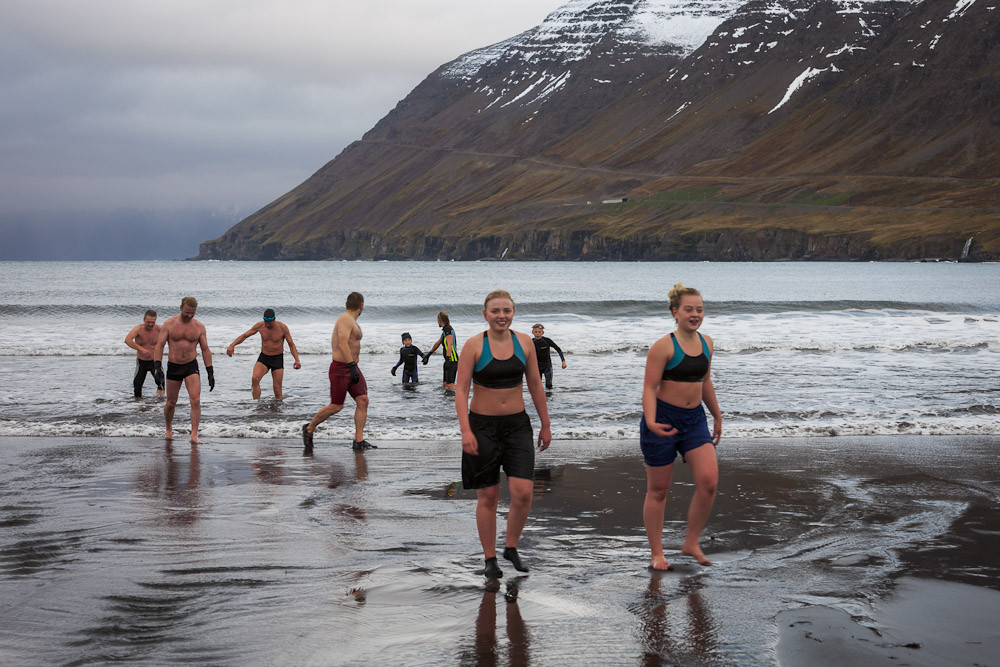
column 273, row 335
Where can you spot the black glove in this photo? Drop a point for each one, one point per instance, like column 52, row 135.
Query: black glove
column 211, row 377
column 427, row 358
column 158, row 373
column 355, row 373
column 393, row 371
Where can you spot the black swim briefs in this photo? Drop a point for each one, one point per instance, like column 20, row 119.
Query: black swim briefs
column 178, row 372
column 505, row 441
column 273, row 362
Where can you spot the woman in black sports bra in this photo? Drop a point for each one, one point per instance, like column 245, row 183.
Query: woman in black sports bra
column 676, row 383
column 496, row 431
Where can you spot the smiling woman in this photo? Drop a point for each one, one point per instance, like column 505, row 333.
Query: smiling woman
column 496, row 431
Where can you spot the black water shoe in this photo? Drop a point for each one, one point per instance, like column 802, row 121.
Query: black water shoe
column 510, row 553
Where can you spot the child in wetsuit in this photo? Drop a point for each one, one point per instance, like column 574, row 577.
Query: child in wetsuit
column 408, row 355
column 542, row 353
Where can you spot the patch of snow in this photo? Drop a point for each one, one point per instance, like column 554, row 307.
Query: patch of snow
column 960, row 8
column 737, row 47
column 935, row 41
column 800, row 80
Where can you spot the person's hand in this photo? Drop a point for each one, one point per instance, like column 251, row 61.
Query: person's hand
column 393, row 371
column 427, row 358
column 211, row 377
column 717, row 431
column 230, row 350
column 296, row 365
column 158, row 373
column 355, row 373
column 662, row 430
column 544, row 438
column 469, row 443
column 564, row 363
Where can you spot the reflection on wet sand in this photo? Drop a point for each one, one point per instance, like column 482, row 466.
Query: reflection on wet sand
column 168, row 480
column 486, row 650
column 693, row 642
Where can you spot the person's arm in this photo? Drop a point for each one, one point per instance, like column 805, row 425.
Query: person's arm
column 242, row 337
column 437, row 343
column 463, row 383
column 658, row 356
column 400, row 362
column 709, row 398
column 344, row 343
column 537, row 392
column 291, row 346
column 130, row 338
column 556, row 348
column 161, row 341
column 206, row 355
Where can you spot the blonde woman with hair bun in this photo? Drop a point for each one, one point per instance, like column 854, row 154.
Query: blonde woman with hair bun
column 676, row 384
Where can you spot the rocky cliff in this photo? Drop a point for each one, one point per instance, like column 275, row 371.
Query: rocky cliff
column 732, row 129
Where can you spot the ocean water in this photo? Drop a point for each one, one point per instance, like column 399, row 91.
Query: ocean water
column 801, row 349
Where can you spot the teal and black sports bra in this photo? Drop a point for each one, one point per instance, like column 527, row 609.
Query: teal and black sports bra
column 682, row 368
column 494, row 373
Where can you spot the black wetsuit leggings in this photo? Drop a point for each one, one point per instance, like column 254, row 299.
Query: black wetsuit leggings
column 141, row 368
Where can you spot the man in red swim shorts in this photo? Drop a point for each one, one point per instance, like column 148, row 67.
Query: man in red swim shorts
column 345, row 376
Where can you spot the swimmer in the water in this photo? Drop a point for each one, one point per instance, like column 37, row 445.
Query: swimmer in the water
column 142, row 338
column 496, row 431
column 345, row 376
column 677, row 382
column 184, row 335
column 449, row 342
column 273, row 335
column 543, row 351
column 408, row 355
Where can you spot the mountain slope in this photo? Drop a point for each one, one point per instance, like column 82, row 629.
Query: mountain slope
column 824, row 129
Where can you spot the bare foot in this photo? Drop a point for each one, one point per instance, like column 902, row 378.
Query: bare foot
column 660, row 563
column 696, row 553
column 169, row 435
column 195, row 440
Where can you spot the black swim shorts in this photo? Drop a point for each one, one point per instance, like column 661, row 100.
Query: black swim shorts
column 505, row 441
column 178, row 372
column 450, row 371
column 273, row 362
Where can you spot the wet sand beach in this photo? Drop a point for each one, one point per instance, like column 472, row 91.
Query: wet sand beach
column 876, row 550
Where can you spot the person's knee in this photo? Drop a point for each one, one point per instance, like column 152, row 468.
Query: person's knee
column 706, row 484
column 520, row 496
column 362, row 402
column 195, row 402
column 489, row 498
column 657, row 494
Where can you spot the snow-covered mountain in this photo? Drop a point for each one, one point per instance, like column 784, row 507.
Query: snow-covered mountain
column 866, row 104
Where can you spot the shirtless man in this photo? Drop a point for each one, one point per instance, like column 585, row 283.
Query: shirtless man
column 184, row 334
column 273, row 335
column 345, row 376
column 142, row 338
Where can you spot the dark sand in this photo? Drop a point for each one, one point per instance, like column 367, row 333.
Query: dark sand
column 829, row 551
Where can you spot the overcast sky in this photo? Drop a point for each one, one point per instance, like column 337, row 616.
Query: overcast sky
column 213, row 103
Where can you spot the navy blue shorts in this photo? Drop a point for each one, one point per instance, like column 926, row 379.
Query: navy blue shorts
column 692, row 432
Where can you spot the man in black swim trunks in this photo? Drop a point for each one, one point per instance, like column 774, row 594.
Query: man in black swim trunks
column 142, row 338
column 273, row 335
column 184, row 335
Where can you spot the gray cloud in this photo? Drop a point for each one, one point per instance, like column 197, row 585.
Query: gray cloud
column 185, row 104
